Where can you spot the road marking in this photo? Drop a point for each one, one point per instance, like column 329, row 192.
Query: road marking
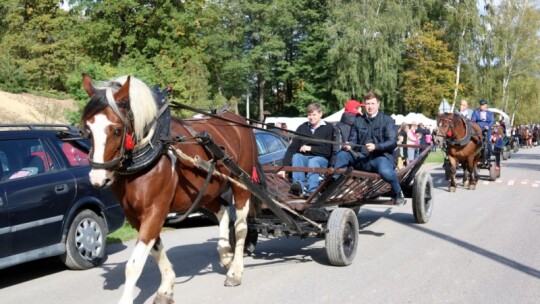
column 524, row 182
column 511, row 182
column 486, row 183
column 499, row 181
column 536, row 185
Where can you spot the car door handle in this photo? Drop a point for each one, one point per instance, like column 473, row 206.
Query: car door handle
column 1, row 202
column 61, row 189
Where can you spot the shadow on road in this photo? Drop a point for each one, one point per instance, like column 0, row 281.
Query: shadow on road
column 405, row 219
column 30, row 271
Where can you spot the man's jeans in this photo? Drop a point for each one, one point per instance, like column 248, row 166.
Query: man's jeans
column 487, row 135
column 301, row 160
column 380, row 164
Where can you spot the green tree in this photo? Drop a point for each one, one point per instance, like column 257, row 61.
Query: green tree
column 35, row 37
column 428, row 74
column 460, row 23
column 516, row 25
column 367, row 44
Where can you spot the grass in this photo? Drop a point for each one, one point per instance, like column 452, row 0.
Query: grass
column 125, row 233
column 128, row 233
column 435, row 157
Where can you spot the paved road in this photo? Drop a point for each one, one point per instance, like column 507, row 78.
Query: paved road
column 480, row 246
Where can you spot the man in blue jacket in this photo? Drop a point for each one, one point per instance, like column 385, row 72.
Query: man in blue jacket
column 303, row 152
column 485, row 119
column 376, row 133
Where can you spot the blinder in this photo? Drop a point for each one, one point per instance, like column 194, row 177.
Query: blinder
column 116, row 162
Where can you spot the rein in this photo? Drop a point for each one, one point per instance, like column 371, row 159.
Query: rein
column 291, row 134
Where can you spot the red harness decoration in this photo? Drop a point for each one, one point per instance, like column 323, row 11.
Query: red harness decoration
column 255, row 176
column 449, row 133
column 129, row 144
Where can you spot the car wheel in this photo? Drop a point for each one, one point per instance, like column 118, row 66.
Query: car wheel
column 86, row 241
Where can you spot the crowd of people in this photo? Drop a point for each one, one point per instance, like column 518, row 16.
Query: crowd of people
column 369, row 142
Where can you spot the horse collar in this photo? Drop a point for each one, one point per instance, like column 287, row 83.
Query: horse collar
column 464, row 140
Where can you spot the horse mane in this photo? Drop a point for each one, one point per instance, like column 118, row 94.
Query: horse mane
column 142, row 104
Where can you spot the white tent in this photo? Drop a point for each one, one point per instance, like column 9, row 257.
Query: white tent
column 419, row 118
column 399, row 119
column 292, row 122
column 335, row 117
column 506, row 119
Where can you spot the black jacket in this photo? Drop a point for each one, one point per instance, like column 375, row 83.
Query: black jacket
column 343, row 127
column 381, row 131
column 325, row 132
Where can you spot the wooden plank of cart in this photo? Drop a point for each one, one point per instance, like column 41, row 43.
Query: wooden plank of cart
column 331, row 211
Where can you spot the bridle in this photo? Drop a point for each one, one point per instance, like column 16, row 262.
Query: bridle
column 126, row 121
column 450, row 137
column 449, row 130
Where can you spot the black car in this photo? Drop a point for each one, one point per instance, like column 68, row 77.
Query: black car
column 47, row 205
column 271, row 146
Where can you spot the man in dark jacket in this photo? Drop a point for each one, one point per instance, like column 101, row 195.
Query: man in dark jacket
column 377, row 136
column 305, row 153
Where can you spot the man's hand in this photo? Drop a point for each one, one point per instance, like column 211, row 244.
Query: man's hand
column 305, row 148
column 282, row 174
column 346, row 147
column 370, row 147
column 486, row 127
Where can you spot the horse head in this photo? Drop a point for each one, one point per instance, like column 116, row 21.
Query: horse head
column 444, row 128
column 115, row 120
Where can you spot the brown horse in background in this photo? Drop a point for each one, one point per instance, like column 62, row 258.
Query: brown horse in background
column 525, row 136
column 463, row 140
column 121, row 120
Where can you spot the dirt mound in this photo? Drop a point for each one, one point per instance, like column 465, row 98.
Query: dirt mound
column 28, row 108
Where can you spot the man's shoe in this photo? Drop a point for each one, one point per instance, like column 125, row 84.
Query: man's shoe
column 296, row 189
column 399, row 199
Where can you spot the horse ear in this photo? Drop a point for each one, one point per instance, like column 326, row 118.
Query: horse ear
column 123, row 93
column 88, row 85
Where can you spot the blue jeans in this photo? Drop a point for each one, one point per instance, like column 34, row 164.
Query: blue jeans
column 302, row 160
column 487, row 135
column 379, row 164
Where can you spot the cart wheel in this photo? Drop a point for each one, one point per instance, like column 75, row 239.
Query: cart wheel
column 492, row 173
column 341, row 236
column 422, row 199
column 506, row 153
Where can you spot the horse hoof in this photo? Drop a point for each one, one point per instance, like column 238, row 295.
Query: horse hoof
column 232, row 281
column 472, row 187
column 163, row 299
column 466, row 184
column 452, row 189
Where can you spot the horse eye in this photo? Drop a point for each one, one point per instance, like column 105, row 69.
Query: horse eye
column 118, row 131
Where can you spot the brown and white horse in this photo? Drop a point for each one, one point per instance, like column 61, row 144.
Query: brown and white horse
column 463, row 140
column 120, row 118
